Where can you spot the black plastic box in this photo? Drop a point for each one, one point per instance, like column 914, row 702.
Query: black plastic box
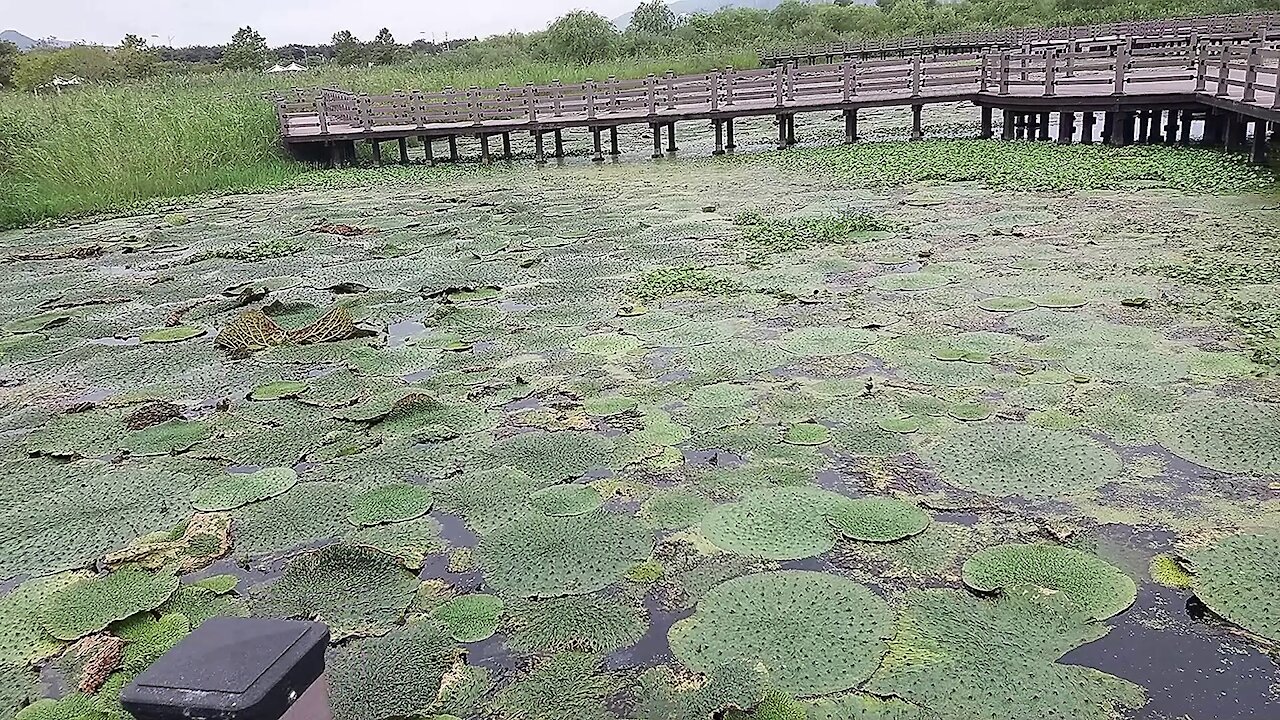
column 231, row 669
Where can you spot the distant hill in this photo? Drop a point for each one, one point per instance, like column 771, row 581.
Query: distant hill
column 689, row 7
column 25, row 43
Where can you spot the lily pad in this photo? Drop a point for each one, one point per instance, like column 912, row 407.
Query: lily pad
column 1095, row 587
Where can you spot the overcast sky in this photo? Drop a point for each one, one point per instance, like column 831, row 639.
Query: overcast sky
column 211, row 22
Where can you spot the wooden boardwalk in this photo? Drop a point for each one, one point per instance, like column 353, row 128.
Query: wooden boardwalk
column 1225, row 86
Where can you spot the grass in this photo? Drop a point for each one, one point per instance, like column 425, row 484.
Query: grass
column 109, row 147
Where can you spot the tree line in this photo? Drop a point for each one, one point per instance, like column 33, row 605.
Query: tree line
column 582, row 37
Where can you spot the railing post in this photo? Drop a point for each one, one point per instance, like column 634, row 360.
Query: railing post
column 1073, row 47
column 1251, row 75
column 1122, row 62
column 917, row 75
column 1050, row 59
column 651, row 91
column 613, row 103
column 531, row 101
column 1202, row 65
column 671, row 90
column 791, row 82
column 777, row 84
column 557, row 97
column 366, row 112
column 473, row 113
column 1004, row 73
column 1224, row 70
column 321, row 115
column 1275, row 86
column 591, row 99
column 728, row 86
column 713, row 89
column 982, row 73
column 846, row 77
column 1022, row 62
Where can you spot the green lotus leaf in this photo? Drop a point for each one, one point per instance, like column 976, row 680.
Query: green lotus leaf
column 392, row 503
column 814, row 633
column 877, row 519
column 1095, row 587
column 673, row 508
column 356, row 590
column 818, row 341
column 608, row 405
column 1005, row 304
column 596, row 623
column 912, row 281
column 562, row 455
column 807, row 434
column 1059, row 300
column 235, row 490
column 278, row 390
column 1236, row 436
column 784, row 523
column 397, row 675
column 23, row 639
column 568, row 685
column 470, row 618
column 1237, row 578
column 90, row 605
column 569, row 499
column 171, row 334
column 167, row 438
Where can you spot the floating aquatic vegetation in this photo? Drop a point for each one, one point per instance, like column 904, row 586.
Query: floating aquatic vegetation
column 1227, row 435
column 1237, row 578
column 783, row 523
column 392, row 503
column 549, row 456
column 356, row 590
column 1092, row 586
column 568, row 685
column 570, row 499
column 673, row 508
column 539, row 555
column 970, row 658
column 469, row 618
column 877, row 519
column 597, row 623
column 814, row 633
column 398, row 675
column 234, row 490
column 89, row 605
column 1001, row 458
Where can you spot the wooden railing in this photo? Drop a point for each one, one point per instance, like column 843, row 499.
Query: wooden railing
column 1214, row 68
column 1150, row 33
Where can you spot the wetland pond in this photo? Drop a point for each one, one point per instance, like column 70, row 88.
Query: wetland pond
column 900, row 430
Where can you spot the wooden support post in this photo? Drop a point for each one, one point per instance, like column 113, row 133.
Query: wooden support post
column 671, row 137
column 782, row 132
column 656, row 129
column 1141, row 132
column 728, row 133
column 559, row 144
column 428, row 152
column 334, row 158
column 1029, row 126
column 1171, row 128
column 1086, row 128
column 404, row 150
column 851, row 125
column 1224, row 70
column 1044, row 127
column 1114, row 130
column 1236, row 129
column 539, row 152
column 598, row 155
column 1130, row 119
column 791, row 129
column 917, row 130
column 506, row 146
column 987, row 132
column 719, row 130
column 1019, row 126
column 485, row 156
column 1121, row 65
column 453, row 148
column 613, row 141
column 1258, row 151
column 1212, row 126
column 377, row 152
column 1006, row 127
column 1184, row 132
column 1066, row 121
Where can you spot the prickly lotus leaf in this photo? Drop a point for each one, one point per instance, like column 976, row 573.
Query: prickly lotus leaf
column 167, row 438
column 1095, row 587
column 820, row 341
column 561, row 455
column 814, row 633
column 568, row 685
column 1005, row 304
column 662, row 694
column 383, row 404
column 877, row 519
column 539, row 555
column 1238, row 578
column 807, row 434
column 596, row 623
column 234, row 490
column 1228, row 435
column 783, row 523
column 357, row 590
column 857, row 706
column 470, row 618
column 307, row 512
column 394, row 676
column 568, row 499
column 392, row 503
column 673, row 508
column 410, row 542
column 486, row 500
column 969, row 658
column 71, row 707
column 87, row 606
column 278, row 390
column 774, row 705
column 23, row 640
column 250, row 331
column 148, row 638
column 1004, row 458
